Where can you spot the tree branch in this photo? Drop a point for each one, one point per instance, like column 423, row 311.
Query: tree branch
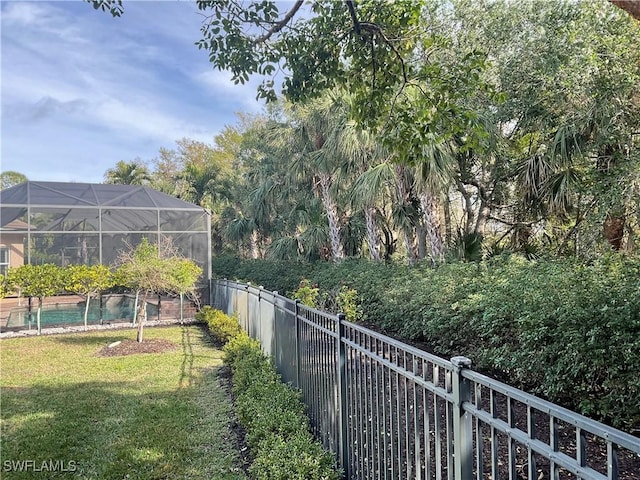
column 375, row 29
column 280, row 24
column 354, row 16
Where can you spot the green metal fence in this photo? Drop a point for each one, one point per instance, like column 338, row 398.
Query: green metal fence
column 388, row 410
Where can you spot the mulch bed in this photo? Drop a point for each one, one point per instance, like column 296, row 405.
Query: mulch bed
column 131, row 347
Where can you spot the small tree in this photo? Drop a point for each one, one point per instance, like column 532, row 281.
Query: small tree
column 87, row 281
column 184, row 275
column 37, row 281
column 155, row 269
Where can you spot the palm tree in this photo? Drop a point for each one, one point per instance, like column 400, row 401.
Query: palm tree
column 200, row 184
column 134, row 172
column 308, row 139
column 369, row 189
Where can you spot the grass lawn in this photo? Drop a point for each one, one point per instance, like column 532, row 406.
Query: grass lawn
column 141, row 416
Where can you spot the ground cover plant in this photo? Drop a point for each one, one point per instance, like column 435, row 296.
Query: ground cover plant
column 142, row 416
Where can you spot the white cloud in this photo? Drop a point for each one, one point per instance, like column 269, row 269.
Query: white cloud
column 217, row 83
column 25, row 14
column 78, row 85
column 140, row 120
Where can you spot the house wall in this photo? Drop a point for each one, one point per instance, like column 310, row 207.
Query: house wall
column 15, row 243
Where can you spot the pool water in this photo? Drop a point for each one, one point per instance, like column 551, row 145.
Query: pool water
column 73, row 314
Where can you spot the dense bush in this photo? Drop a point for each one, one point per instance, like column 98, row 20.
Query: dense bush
column 280, row 276
column 292, row 458
column 274, row 418
column 221, row 326
column 563, row 330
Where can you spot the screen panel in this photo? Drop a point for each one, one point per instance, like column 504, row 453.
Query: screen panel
column 183, row 221
column 129, row 220
column 65, row 219
column 65, row 248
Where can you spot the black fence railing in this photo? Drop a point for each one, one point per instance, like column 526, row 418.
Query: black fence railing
column 388, row 410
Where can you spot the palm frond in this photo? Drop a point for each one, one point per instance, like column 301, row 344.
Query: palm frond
column 367, row 187
column 284, row 248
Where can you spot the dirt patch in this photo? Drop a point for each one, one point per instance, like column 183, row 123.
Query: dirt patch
column 130, row 347
column 238, row 433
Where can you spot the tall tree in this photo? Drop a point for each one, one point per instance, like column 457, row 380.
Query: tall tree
column 311, row 140
column 558, row 121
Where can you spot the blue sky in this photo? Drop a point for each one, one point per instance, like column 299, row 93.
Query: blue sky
column 82, row 90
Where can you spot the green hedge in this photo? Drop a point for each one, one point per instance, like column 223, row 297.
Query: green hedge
column 221, row 326
column 560, row 329
column 273, row 415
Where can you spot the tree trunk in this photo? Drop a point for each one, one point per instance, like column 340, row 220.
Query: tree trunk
column 86, row 312
column 38, row 315
column 402, row 190
column 613, row 230
column 613, row 225
column 408, row 237
column 142, row 316
column 389, row 243
column 255, row 253
column 447, row 221
column 483, row 216
column 468, row 209
column 337, row 250
column 421, row 241
column 430, row 217
column 373, row 238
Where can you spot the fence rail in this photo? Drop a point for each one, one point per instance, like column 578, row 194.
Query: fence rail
column 388, row 410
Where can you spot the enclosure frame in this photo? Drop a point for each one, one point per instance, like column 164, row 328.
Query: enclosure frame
column 86, row 223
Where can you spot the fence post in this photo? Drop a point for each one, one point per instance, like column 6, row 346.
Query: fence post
column 248, row 320
column 342, row 399
column 462, row 426
column 297, row 325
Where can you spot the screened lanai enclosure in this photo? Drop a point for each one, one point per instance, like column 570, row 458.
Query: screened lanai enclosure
column 81, row 223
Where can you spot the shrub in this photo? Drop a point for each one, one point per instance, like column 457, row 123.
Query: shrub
column 558, row 328
column 306, row 293
column 222, row 326
column 270, row 408
column 294, row 458
column 347, row 302
column 274, row 418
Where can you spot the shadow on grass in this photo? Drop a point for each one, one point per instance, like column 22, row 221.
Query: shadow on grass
column 103, row 433
column 85, row 338
column 116, row 430
column 186, row 367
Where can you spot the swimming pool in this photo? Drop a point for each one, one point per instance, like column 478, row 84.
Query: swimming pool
column 120, row 309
